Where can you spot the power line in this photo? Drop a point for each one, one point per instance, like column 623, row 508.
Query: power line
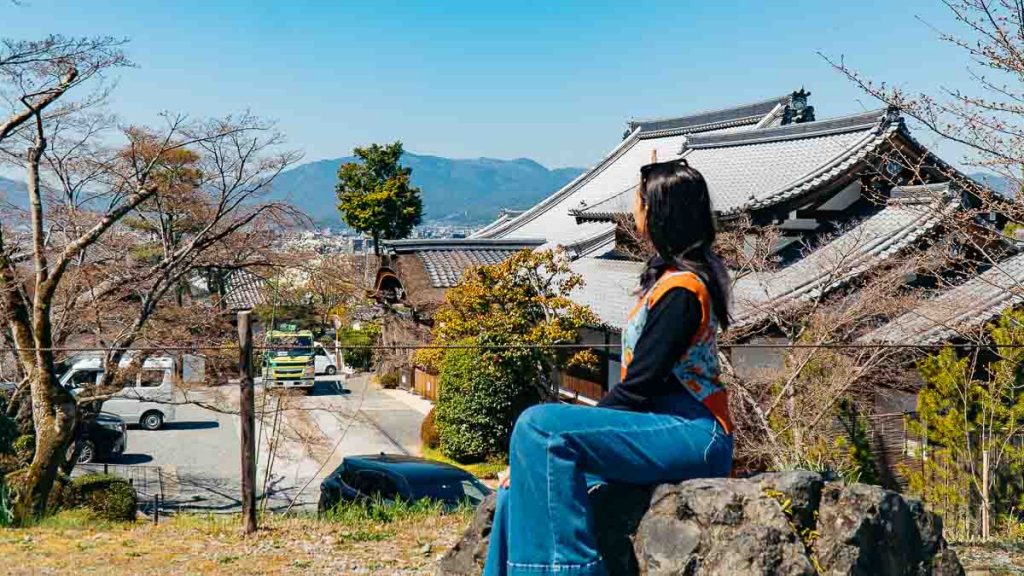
column 560, row 346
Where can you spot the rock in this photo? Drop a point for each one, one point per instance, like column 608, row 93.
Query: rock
column 791, row 523
column 467, row 557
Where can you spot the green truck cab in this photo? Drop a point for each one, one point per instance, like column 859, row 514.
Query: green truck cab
column 289, row 361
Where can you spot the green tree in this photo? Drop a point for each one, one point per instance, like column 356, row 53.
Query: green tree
column 375, row 195
column 968, row 417
column 478, row 402
column 517, row 313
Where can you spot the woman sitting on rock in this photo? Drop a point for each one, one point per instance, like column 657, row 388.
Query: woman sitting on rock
column 668, row 419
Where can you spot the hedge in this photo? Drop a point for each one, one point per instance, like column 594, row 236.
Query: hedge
column 108, row 497
column 429, row 436
column 479, row 400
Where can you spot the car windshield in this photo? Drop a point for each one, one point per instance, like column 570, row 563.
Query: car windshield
column 450, row 490
column 290, row 345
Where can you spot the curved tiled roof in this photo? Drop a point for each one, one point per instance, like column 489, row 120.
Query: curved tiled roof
column 759, row 168
column 959, row 309
column 744, row 115
column 609, row 287
column 617, row 171
column 244, row 290
column 445, row 260
column 912, row 213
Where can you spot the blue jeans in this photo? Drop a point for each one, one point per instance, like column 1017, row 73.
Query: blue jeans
column 542, row 524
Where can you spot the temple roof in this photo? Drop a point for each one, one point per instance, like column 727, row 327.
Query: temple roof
column 912, row 213
column 619, row 171
column 758, row 168
column 959, row 310
column 445, row 260
column 243, row 290
column 743, row 115
column 609, row 288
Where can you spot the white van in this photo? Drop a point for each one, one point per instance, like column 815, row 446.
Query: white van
column 323, row 360
column 148, row 399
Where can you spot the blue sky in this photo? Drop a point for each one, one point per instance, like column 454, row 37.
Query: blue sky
column 553, row 81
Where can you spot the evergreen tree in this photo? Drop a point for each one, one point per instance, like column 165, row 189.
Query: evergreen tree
column 375, row 195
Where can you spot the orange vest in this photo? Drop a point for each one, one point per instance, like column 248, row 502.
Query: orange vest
column 697, row 369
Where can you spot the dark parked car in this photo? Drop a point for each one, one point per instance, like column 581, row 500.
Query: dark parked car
column 101, row 438
column 396, row 477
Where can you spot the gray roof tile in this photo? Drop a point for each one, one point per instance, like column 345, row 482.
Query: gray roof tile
column 744, row 170
column 910, row 215
column 757, row 168
column 446, row 260
column 914, row 212
column 244, row 290
column 958, row 310
column 609, row 287
column 744, row 115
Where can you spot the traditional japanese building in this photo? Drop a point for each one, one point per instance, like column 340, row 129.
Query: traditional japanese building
column 844, row 196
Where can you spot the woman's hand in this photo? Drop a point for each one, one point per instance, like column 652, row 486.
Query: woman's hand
column 504, row 477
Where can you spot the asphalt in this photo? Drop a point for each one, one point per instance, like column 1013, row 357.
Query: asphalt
column 194, row 462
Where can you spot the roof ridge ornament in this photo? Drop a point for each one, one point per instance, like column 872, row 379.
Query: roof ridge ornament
column 797, row 111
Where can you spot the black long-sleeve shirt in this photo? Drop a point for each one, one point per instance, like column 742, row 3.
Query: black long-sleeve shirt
column 670, row 328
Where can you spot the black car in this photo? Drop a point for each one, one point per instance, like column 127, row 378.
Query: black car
column 396, row 477
column 101, row 438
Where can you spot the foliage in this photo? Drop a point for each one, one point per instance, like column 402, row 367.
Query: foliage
column 361, row 356
column 108, row 497
column 24, row 448
column 375, row 195
column 389, row 380
column 478, row 402
column 429, row 436
column 488, row 469
column 379, row 511
column 523, row 302
column 841, row 450
column 969, row 414
column 517, row 313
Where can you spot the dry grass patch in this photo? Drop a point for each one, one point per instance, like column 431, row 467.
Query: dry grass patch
column 75, row 543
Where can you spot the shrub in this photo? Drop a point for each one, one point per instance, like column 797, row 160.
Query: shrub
column 361, row 357
column 480, row 397
column 108, row 497
column 388, row 380
column 24, row 448
column 428, row 431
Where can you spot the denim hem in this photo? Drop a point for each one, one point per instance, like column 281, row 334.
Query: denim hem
column 595, row 568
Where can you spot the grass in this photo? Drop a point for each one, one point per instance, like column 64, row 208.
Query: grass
column 374, row 539
column 487, row 470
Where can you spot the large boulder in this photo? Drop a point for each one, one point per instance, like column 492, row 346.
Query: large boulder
column 790, row 523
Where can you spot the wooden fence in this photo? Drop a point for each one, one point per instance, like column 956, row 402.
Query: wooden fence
column 425, row 384
column 580, row 389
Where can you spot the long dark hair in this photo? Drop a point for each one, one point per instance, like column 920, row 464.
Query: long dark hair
column 681, row 226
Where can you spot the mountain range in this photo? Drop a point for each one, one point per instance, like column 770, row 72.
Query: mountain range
column 455, row 191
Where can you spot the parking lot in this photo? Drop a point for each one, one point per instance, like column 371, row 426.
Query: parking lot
column 194, row 462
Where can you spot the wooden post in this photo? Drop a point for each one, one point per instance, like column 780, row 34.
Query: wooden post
column 247, row 415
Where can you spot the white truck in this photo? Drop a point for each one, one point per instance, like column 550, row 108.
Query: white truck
column 148, row 397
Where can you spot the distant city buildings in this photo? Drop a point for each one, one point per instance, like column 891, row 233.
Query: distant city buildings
column 342, row 240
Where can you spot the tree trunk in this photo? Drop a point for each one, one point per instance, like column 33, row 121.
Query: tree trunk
column 53, row 411
column 376, row 244
column 985, row 504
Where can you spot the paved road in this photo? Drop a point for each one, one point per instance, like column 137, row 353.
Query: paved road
column 194, row 461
